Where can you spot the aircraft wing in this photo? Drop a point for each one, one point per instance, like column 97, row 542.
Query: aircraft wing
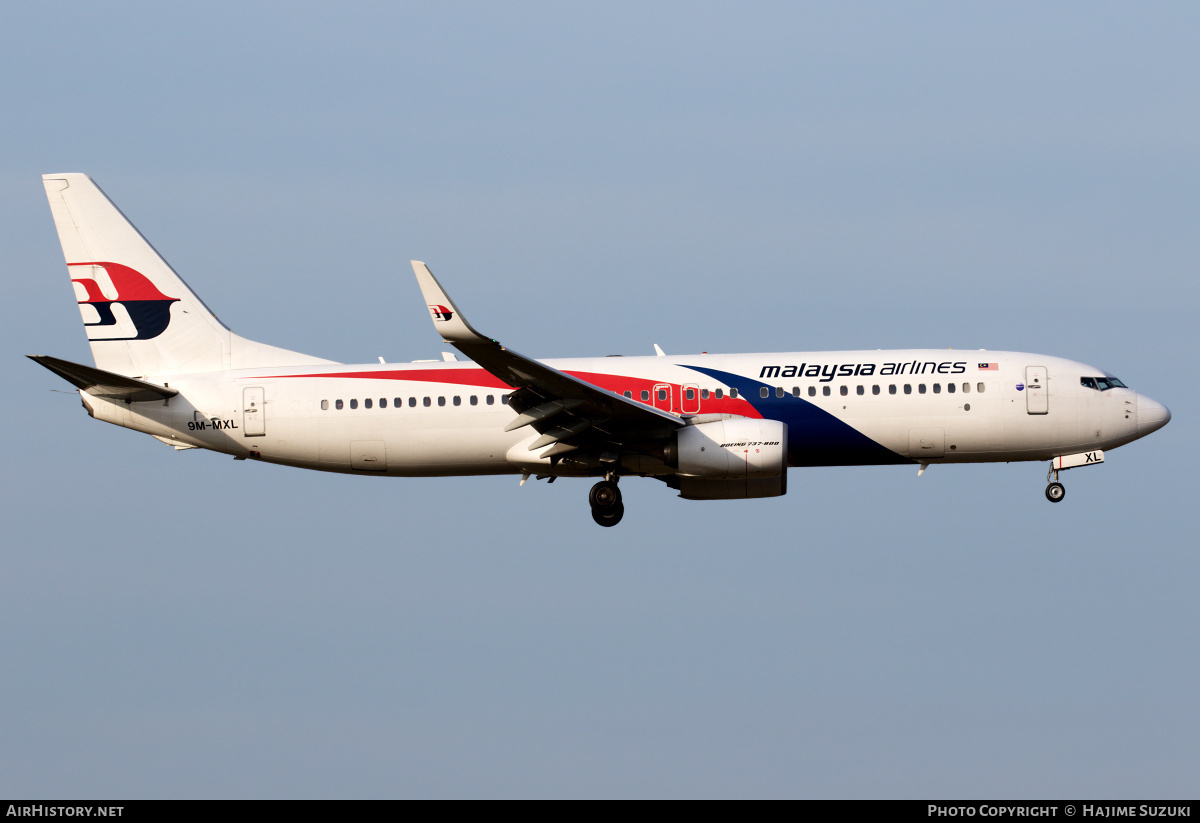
column 104, row 383
column 568, row 412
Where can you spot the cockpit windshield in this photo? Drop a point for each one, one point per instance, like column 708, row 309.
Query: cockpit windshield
column 1101, row 383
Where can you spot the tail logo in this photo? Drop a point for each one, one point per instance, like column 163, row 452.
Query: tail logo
column 440, row 312
column 120, row 303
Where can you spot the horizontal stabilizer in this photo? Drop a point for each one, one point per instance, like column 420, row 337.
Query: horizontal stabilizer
column 102, row 383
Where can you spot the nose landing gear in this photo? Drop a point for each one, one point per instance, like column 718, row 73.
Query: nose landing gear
column 605, row 500
column 1055, row 491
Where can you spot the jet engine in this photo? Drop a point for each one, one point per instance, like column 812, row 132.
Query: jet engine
column 730, row 459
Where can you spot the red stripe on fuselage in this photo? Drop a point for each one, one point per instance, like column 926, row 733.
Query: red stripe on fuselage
column 619, row 384
column 460, row 377
column 616, row 383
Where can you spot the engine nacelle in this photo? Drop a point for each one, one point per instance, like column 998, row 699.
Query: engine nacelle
column 739, row 448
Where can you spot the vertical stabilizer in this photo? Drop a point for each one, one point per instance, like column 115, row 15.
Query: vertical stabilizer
column 140, row 317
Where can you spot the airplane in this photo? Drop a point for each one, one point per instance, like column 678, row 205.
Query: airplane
column 710, row 426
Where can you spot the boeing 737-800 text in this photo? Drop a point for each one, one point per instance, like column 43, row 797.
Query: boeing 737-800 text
column 711, row 426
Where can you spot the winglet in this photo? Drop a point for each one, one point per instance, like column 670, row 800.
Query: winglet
column 447, row 319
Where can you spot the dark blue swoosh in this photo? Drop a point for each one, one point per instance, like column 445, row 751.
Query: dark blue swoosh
column 815, row 437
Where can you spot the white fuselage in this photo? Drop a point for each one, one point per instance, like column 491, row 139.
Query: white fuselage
column 841, row 408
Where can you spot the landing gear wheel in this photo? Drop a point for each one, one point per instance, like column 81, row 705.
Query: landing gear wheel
column 605, row 500
column 604, row 496
column 610, row 516
column 1055, row 492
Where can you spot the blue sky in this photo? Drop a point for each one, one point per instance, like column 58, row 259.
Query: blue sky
column 593, row 181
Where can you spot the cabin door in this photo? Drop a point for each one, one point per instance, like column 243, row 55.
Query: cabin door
column 254, row 418
column 1037, row 397
column 689, row 401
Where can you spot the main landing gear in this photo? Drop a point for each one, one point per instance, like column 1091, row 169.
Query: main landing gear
column 1055, row 491
column 605, row 500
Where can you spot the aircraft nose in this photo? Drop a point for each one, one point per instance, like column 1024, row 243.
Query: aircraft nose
column 1151, row 415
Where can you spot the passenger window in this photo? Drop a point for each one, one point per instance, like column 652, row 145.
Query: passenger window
column 491, row 399
column 645, row 395
column 383, row 402
column 397, row 401
column 875, row 389
column 426, row 402
column 764, row 392
column 324, row 405
column 719, row 393
column 937, row 388
column 337, row 404
column 412, row 401
column 691, row 394
column 845, row 390
column 474, row 400
column 629, row 394
column 825, row 390
column 795, row 391
column 921, row 388
column 861, row 390
column 779, row 391
column 662, row 394
column 908, row 388
column 966, row 388
column 441, row 401
column 733, row 393
column 504, row 399
column 812, row 391
column 981, row 388
column 367, row 403
column 892, row 388
column 457, row 400
column 703, row 394
column 354, row 404
column 950, row 388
